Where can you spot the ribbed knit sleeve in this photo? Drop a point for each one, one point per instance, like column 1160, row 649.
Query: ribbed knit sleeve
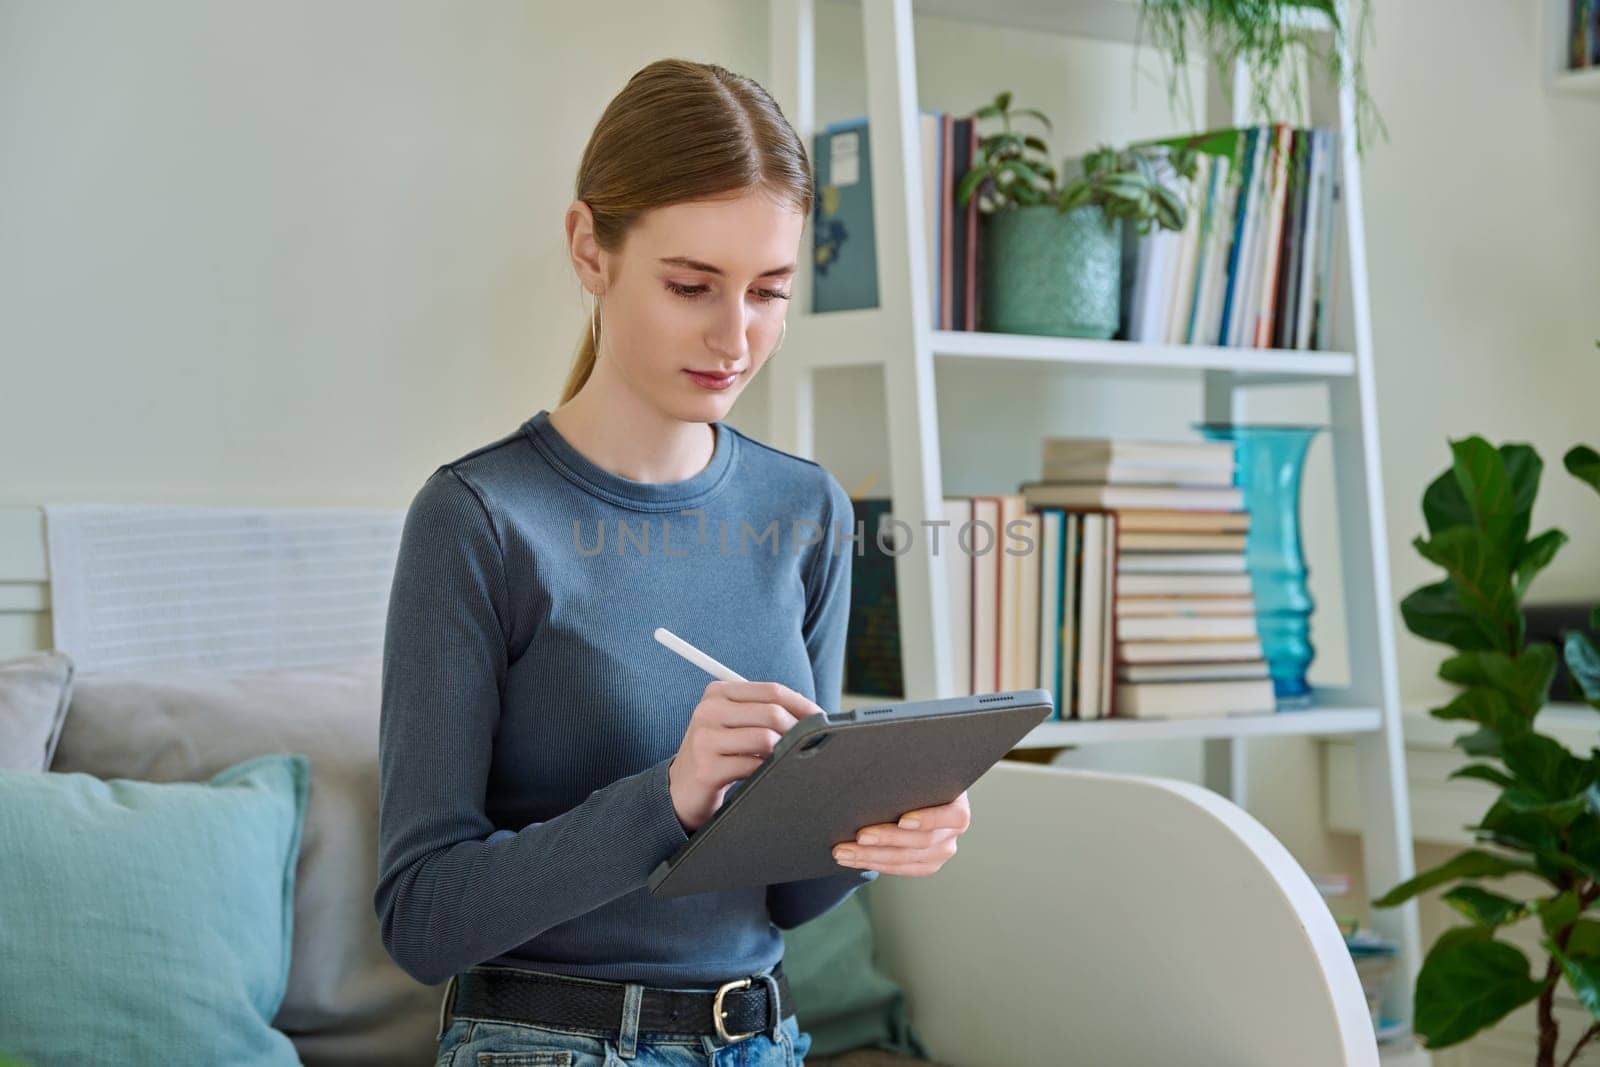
column 448, row 897
column 825, row 627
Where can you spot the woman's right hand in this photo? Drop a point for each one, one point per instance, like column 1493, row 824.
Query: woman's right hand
column 735, row 726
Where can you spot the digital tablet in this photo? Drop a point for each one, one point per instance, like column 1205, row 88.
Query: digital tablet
column 833, row 774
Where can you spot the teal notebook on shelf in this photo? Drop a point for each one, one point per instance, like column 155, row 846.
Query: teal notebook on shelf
column 844, row 266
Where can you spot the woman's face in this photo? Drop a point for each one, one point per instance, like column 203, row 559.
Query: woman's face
column 700, row 286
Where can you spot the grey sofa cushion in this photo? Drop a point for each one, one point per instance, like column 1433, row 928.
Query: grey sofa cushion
column 35, row 689
column 347, row 1003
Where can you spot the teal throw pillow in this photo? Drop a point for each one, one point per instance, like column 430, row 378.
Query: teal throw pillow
column 145, row 922
column 841, row 997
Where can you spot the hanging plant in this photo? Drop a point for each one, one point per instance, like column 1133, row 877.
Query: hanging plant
column 1266, row 35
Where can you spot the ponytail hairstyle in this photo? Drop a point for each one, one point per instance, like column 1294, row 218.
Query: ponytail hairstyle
column 681, row 130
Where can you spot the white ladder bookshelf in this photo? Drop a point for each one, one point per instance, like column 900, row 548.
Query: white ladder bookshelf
column 897, row 336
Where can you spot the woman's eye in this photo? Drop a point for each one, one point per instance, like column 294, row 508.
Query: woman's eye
column 689, row 292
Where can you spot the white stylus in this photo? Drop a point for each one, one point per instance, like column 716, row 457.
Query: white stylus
column 695, row 656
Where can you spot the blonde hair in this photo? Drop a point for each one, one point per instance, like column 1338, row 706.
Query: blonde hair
column 681, row 130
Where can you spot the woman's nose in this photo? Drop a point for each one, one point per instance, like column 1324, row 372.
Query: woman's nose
column 728, row 336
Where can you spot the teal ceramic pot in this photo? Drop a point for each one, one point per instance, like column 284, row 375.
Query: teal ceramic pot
column 1045, row 272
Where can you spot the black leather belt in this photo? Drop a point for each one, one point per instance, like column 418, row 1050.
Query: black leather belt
column 734, row 1011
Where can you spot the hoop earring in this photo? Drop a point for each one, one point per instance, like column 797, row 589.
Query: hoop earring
column 594, row 330
column 781, row 337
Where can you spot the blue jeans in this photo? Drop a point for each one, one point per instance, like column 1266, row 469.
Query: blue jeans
column 469, row 1042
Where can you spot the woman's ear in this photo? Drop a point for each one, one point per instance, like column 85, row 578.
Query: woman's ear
column 588, row 258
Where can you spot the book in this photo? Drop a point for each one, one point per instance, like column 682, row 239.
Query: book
column 946, row 219
column 1090, row 635
column 872, row 640
column 844, row 252
column 1320, row 338
column 986, row 595
column 1030, row 527
column 1062, row 494
column 1072, row 567
column 1137, row 473
column 1173, row 563
column 1138, row 541
column 1185, row 606
column 1128, row 450
column 1183, row 585
column 1051, row 543
column 1185, row 672
column 1177, row 700
column 1186, row 651
column 1134, row 520
column 931, row 142
column 1178, row 628
column 1266, row 295
column 958, row 575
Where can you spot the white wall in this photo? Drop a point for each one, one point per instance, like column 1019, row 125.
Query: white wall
column 303, row 253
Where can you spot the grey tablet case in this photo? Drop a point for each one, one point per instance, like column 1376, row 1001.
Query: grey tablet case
column 830, row 776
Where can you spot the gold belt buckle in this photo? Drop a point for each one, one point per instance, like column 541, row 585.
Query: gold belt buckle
column 717, row 1014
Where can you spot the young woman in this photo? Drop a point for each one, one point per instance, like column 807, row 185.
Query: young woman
column 539, row 752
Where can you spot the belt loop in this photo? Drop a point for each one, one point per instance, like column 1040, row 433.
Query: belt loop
column 775, row 1005
column 446, row 1005
column 628, row 1032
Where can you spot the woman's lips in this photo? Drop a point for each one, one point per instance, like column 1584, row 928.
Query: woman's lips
column 714, row 382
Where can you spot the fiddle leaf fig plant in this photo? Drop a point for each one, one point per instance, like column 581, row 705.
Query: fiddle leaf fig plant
column 1545, row 824
column 1012, row 169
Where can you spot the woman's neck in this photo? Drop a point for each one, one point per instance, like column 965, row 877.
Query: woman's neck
column 634, row 440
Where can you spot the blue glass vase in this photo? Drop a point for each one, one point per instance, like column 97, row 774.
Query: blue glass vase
column 1270, row 461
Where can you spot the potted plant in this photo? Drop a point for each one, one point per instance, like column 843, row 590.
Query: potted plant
column 1266, row 35
column 1052, row 254
column 1545, row 822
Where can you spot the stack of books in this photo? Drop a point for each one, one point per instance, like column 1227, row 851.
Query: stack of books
column 1182, row 628
column 1117, row 582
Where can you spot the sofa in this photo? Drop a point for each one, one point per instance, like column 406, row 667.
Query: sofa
column 1087, row 918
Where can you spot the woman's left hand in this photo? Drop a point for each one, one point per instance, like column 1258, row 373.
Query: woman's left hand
column 906, row 850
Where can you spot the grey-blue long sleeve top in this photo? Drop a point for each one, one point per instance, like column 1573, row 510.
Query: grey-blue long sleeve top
column 529, row 717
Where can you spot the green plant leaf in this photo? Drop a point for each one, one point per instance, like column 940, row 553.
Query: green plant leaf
column 1584, row 940
column 1481, row 742
column 1558, row 912
column 1484, row 706
column 1536, row 556
column 1473, row 863
column 1486, row 773
column 1559, row 813
column 1023, row 172
column 1583, row 463
column 1484, row 907
column 1583, row 840
column 1436, row 613
column 1444, row 505
column 1030, row 112
column 1523, row 467
column 1546, row 767
column 1524, row 679
column 1480, row 575
column 1583, row 974
column 1583, row 661
column 969, row 184
column 1469, row 982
